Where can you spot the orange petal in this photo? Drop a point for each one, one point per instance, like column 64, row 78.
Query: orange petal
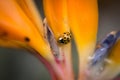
column 83, row 20
column 19, row 27
column 56, row 15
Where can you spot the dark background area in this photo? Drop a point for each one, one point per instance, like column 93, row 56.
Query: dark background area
column 21, row 65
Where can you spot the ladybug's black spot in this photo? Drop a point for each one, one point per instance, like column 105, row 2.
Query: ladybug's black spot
column 64, row 33
column 27, row 39
column 65, row 38
column 68, row 39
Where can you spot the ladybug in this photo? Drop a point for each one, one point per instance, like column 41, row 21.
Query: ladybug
column 64, row 38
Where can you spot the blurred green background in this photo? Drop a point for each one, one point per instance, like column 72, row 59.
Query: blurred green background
column 21, row 65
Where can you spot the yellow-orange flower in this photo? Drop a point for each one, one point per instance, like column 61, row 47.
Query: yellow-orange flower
column 20, row 24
